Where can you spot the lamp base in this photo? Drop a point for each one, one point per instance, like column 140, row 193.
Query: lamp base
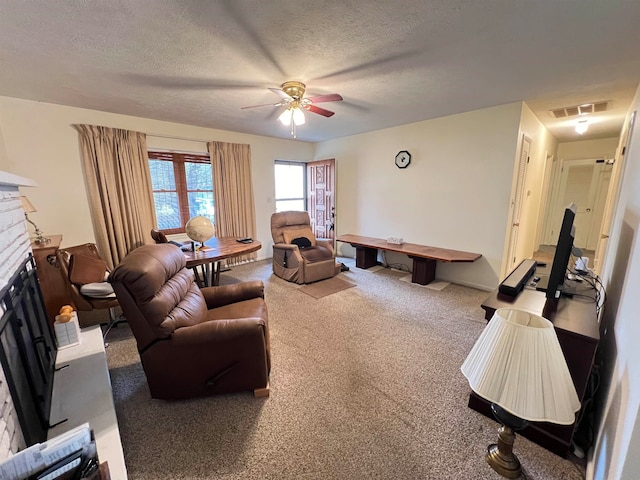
column 506, row 465
column 42, row 240
column 500, row 456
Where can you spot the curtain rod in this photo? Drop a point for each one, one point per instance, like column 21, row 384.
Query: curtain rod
column 173, row 137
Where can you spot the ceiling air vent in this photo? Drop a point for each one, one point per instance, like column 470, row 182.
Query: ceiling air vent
column 576, row 110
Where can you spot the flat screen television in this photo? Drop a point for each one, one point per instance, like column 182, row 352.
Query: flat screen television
column 553, row 284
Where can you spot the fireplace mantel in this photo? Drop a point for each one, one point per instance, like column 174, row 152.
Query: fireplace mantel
column 13, row 180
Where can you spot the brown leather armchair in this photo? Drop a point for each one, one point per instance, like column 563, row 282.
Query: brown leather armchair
column 91, row 293
column 160, row 237
column 193, row 342
column 297, row 255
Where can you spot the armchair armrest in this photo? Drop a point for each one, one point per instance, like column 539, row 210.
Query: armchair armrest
column 220, row 331
column 285, row 246
column 292, row 252
column 227, row 294
column 326, row 243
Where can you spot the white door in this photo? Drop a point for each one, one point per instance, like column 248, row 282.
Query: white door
column 579, row 183
column 517, row 203
column 612, row 196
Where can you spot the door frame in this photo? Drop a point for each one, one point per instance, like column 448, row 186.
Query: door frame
column 555, row 207
column 518, row 200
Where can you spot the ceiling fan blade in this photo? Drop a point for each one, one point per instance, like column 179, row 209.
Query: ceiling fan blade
column 318, row 110
column 331, row 97
column 281, row 93
column 265, row 105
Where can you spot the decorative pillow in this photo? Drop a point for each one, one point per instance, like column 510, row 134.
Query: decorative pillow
column 85, row 269
column 301, row 242
column 292, row 233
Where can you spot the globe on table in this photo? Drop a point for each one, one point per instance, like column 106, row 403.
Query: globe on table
column 200, row 229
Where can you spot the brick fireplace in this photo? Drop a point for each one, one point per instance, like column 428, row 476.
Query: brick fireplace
column 14, row 248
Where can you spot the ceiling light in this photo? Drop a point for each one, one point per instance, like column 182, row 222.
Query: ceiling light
column 298, row 116
column 285, row 117
column 582, row 126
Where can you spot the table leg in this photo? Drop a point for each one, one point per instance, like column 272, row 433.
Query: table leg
column 216, row 274
column 424, row 270
column 366, row 257
column 206, row 274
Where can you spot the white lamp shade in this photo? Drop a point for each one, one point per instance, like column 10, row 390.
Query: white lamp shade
column 285, row 117
column 518, row 364
column 27, row 206
column 298, row 116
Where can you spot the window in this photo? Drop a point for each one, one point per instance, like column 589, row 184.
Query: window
column 182, row 188
column 290, row 186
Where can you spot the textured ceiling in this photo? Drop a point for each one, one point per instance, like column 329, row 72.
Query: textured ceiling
column 198, row 62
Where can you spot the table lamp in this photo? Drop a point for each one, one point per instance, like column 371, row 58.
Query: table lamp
column 518, row 365
column 28, row 207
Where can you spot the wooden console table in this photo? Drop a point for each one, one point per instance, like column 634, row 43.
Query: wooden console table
column 424, row 258
column 576, row 325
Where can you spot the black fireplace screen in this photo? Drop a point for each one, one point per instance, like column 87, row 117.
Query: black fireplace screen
column 27, row 351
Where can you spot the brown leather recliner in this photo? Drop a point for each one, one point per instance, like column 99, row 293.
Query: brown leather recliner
column 297, row 255
column 192, row 342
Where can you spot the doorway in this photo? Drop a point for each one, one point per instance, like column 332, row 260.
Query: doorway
column 321, row 186
column 586, row 183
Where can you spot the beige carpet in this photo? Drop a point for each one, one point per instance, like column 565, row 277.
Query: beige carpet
column 326, row 287
column 365, row 384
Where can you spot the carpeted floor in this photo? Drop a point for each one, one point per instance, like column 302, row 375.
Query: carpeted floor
column 326, row 287
column 365, row 384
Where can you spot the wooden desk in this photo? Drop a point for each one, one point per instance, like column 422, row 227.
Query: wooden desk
column 424, row 258
column 218, row 249
column 52, row 284
column 576, row 324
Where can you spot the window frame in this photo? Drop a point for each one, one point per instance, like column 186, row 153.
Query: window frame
column 304, row 183
column 179, row 159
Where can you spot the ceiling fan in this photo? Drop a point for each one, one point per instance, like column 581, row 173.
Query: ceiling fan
column 292, row 96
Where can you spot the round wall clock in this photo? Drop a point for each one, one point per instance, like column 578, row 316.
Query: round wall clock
column 403, row 159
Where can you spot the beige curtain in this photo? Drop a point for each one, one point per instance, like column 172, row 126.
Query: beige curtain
column 116, row 170
column 235, row 213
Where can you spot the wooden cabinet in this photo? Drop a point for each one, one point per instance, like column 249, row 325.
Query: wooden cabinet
column 53, row 286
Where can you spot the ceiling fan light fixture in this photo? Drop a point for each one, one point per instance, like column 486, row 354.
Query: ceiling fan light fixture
column 285, row 117
column 582, row 126
column 298, row 116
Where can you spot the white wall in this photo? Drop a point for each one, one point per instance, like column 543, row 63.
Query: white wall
column 617, row 455
column 542, row 143
column 4, row 161
column 455, row 194
column 41, row 144
column 598, row 148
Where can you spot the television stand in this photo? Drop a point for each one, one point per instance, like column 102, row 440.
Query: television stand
column 567, row 289
column 576, row 325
